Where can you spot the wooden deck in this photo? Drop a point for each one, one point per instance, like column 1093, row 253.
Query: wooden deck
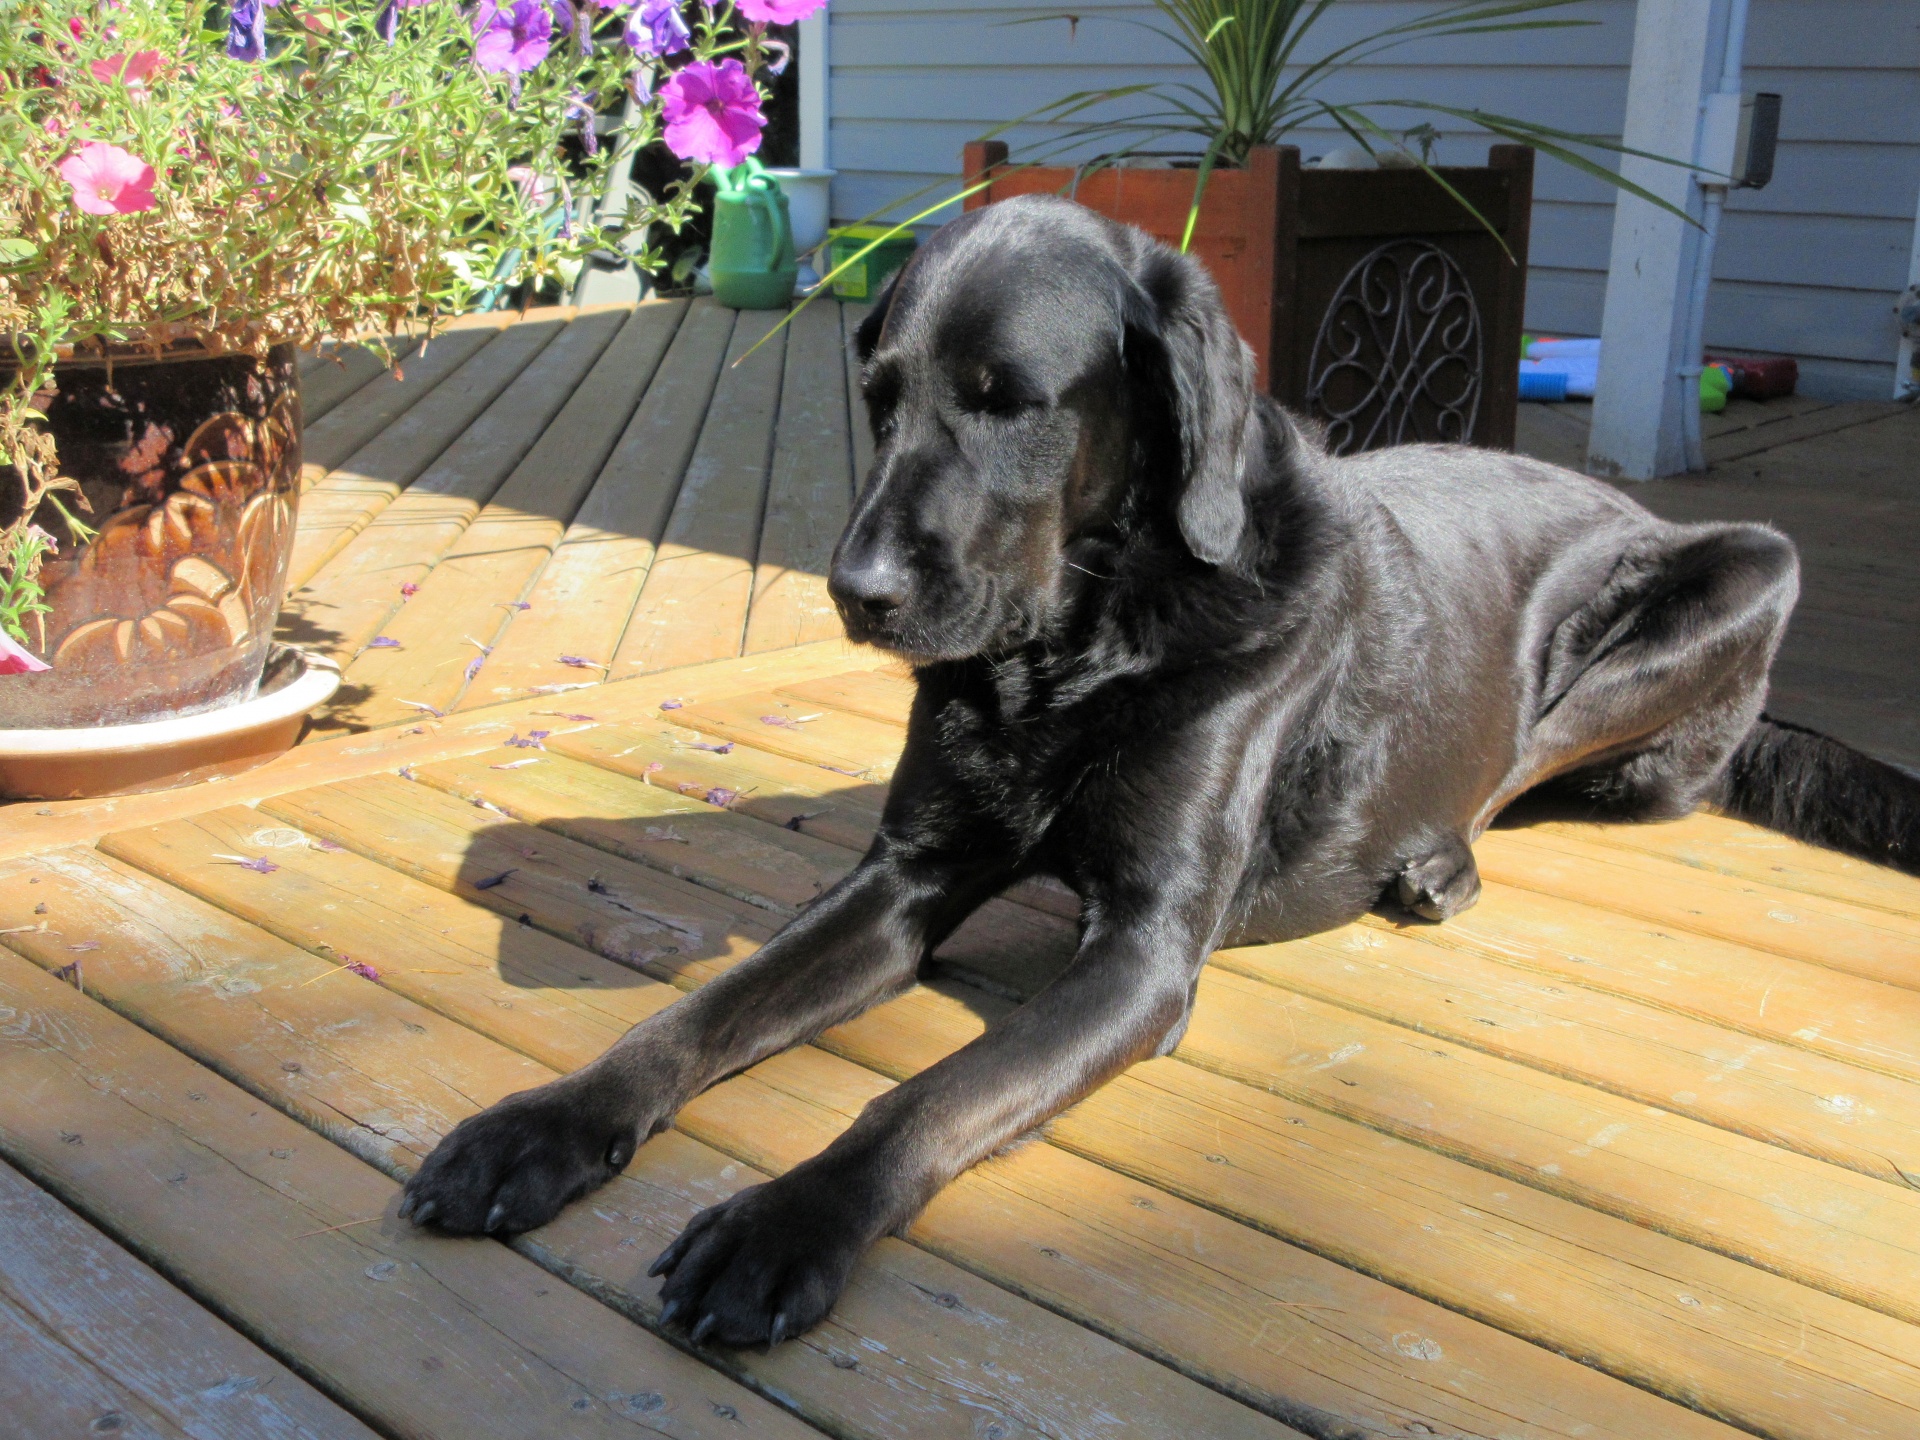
column 1630, row 1150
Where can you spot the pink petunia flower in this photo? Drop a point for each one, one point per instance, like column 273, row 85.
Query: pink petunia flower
column 511, row 39
column 778, row 12
column 16, row 659
column 712, row 113
column 127, row 69
column 106, row 180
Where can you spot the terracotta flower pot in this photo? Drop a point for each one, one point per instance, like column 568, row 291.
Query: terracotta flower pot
column 190, row 463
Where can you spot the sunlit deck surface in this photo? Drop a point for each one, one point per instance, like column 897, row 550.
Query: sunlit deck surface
column 1630, row 1150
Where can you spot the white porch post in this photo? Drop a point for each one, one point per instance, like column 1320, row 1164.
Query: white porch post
column 814, row 112
column 1639, row 423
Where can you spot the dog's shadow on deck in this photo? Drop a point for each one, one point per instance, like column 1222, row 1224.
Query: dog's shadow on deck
column 681, row 896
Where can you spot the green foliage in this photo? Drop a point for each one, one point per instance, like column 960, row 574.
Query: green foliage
column 1260, row 85
column 362, row 174
column 20, row 556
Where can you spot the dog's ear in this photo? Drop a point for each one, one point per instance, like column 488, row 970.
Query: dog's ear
column 1207, row 373
column 866, row 336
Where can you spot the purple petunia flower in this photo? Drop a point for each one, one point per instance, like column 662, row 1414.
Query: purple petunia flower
column 640, row 84
column 779, row 12
column 387, row 23
column 712, row 112
column 581, row 107
column 657, row 29
column 512, row 39
column 247, row 30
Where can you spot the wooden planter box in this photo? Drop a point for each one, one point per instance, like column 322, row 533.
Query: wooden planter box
column 1372, row 299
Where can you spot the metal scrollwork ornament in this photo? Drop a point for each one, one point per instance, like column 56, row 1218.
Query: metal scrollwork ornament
column 1399, row 356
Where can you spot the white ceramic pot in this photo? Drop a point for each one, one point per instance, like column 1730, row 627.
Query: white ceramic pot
column 808, row 196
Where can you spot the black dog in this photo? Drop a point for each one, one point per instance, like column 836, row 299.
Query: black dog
column 1224, row 686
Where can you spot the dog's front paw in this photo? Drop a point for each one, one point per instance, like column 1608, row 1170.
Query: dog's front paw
column 515, row 1166
column 766, row 1264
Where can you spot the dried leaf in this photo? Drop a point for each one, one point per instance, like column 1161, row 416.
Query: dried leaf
column 492, row 880
column 720, row 795
column 726, row 749
column 383, row 642
column 580, row 662
column 672, row 704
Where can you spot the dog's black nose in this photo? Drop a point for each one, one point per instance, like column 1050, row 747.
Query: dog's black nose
column 875, row 587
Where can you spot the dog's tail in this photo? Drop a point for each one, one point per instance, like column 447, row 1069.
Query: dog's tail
column 1814, row 788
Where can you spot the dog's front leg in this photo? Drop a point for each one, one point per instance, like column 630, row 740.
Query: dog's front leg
column 516, row 1165
column 770, row 1261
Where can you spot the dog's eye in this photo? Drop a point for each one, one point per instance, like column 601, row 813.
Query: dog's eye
column 987, row 391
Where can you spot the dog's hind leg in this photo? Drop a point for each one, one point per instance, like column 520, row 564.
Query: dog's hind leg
column 1648, row 687
column 1441, row 883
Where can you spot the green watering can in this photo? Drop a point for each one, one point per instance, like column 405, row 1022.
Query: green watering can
column 752, row 264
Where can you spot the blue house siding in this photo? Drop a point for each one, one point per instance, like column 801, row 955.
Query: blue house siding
column 1807, row 267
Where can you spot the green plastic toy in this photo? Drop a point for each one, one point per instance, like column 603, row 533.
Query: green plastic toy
column 752, row 264
column 1715, row 386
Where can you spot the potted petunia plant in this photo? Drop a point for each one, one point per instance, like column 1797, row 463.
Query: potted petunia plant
column 195, row 190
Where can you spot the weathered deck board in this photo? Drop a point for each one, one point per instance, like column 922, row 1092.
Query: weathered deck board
column 400, row 945
column 1625, row 1343
column 582, row 600
column 93, row 1342
column 337, row 509
column 359, row 418
column 1772, row 1092
column 333, row 1051
column 243, row 1204
column 1790, row 1002
column 1726, row 847
column 694, row 603
column 414, row 538
column 808, row 492
column 330, row 377
column 36, row 827
column 834, row 739
column 1857, row 939
column 482, row 564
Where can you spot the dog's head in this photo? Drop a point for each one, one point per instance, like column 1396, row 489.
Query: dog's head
column 1039, row 380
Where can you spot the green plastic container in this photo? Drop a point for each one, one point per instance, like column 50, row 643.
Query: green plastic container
column 867, row 277
column 752, row 264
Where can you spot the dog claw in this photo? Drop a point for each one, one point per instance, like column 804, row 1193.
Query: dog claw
column 778, row 1332
column 406, row 1207
column 496, row 1218
column 661, row 1263
column 706, row 1327
column 669, row 1311
column 422, row 1214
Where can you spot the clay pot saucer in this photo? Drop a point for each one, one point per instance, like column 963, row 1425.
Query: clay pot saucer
column 83, row 763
